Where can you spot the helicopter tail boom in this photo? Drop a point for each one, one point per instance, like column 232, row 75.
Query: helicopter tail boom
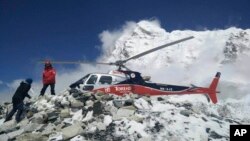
column 212, row 88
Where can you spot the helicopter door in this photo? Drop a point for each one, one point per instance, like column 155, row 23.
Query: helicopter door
column 90, row 83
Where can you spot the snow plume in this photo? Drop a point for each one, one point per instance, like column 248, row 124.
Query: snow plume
column 191, row 62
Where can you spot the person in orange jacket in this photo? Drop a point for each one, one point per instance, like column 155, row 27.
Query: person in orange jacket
column 49, row 78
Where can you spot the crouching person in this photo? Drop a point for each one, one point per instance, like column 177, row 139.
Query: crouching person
column 17, row 99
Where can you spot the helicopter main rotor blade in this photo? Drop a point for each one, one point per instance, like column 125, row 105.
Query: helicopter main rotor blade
column 157, row 48
column 74, row 62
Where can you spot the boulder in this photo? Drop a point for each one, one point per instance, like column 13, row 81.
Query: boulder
column 186, row 112
column 8, row 126
column 75, row 103
column 65, row 113
column 78, row 138
column 97, row 108
column 39, row 118
column 123, row 113
column 4, row 137
column 15, row 133
column 32, row 127
column 71, row 131
column 32, row 137
column 65, row 102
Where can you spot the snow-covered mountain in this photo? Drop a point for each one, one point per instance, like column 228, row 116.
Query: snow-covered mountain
column 191, row 62
column 77, row 116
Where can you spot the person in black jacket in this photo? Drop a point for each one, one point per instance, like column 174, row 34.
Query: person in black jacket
column 17, row 99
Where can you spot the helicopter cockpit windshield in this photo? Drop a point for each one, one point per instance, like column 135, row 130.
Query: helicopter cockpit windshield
column 80, row 81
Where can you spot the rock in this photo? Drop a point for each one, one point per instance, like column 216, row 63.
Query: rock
column 48, row 129
column 76, row 94
column 186, row 112
column 15, row 133
column 145, row 139
column 76, row 103
column 56, row 137
column 52, row 116
column 29, row 114
column 215, row 135
column 32, row 137
column 112, row 109
column 84, row 97
column 71, row 131
column 39, row 118
column 141, row 103
column 4, row 137
column 8, row 126
column 215, row 116
column 78, row 138
column 98, row 95
column 128, row 102
column 97, row 108
column 129, row 107
column 32, row 127
column 118, row 103
column 101, row 126
column 65, row 113
column 107, row 97
column 160, row 99
column 158, row 126
column 204, row 119
column 187, row 105
column 65, row 102
column 23, row 123
column 123, row 113
column 88, row 116
column 89, row 103
column 135, row 118
column 207, row 130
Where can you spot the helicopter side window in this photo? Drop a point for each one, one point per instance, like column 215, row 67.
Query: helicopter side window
column 92, row 79
column 105, row 80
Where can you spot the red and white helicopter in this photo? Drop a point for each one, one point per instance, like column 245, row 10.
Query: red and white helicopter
column 125, row 81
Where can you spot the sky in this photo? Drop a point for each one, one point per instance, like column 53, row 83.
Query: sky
column 34, row 30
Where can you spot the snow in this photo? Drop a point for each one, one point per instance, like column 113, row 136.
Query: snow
column 77, row 116
column 1, row 121
column 88, row 117
column 107, row 120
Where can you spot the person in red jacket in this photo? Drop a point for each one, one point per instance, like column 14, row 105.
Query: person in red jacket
column 49, row 78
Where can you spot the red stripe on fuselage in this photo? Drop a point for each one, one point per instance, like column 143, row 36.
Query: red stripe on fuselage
column 142, row 90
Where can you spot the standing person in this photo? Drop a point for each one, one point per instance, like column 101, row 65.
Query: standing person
column 49, row 78
column 17, row 99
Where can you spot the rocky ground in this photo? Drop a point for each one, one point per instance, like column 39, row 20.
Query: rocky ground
column 79, row 116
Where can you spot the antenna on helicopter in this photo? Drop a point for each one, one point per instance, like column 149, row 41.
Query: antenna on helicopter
column 120, row 63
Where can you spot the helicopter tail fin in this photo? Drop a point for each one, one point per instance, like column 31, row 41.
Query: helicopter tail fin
column 212, row 88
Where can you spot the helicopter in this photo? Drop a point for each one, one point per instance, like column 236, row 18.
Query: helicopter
column 125, row 81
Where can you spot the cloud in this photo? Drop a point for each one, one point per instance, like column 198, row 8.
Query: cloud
column 1, row 82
